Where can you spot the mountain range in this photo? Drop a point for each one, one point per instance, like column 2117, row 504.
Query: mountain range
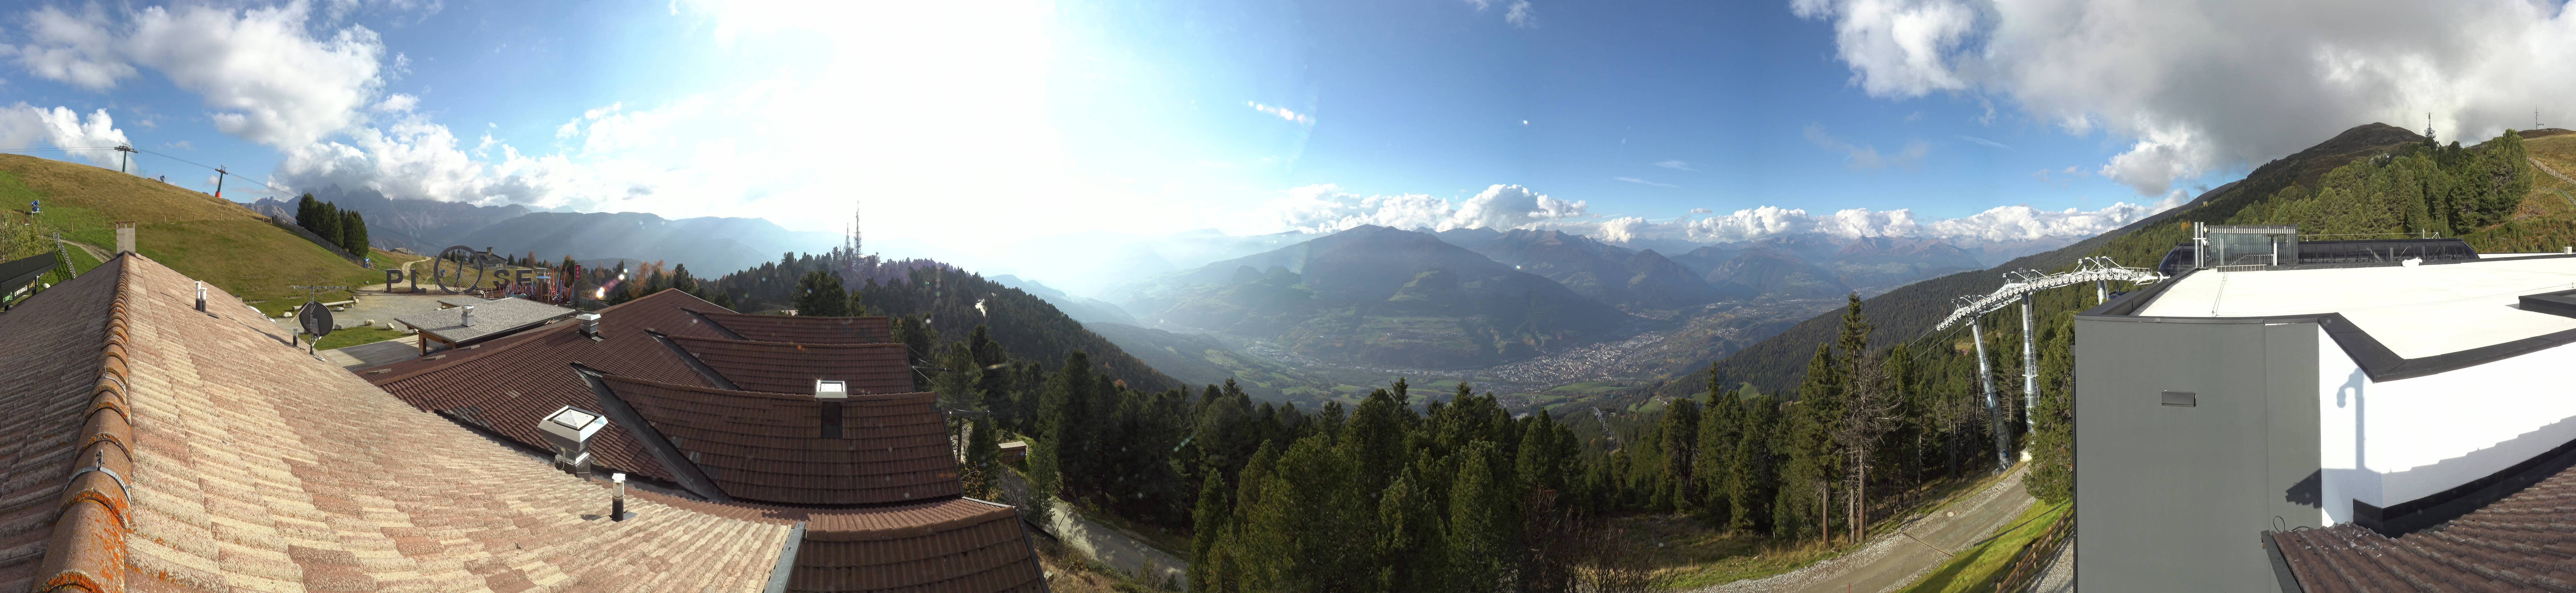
column 710, row 244
column 1379, row 296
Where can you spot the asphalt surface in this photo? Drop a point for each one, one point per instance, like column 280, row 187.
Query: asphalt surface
column 1895, row 559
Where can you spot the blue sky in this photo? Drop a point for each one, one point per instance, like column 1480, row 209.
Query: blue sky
column 1685, row 120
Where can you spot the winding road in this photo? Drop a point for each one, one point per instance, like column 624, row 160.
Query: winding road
column 1895, row 559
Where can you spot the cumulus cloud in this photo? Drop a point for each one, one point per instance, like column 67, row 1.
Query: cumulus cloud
column 71, row 48
column 1862, row 157
column 25, row 126
column 1622, row 230
column 2200, row 87
column 2005, row 223
column 1326, row 208
column 268, row 79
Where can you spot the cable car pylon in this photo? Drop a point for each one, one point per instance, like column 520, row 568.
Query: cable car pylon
column 2018, row 286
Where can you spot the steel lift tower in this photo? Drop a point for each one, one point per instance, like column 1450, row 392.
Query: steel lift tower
column 2018, row 286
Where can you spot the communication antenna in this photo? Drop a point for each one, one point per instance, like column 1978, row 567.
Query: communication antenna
column 2428, row 125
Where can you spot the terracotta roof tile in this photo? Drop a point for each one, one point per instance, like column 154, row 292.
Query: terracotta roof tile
column 52, row 356
column 780, row 367
column 258, row 467
column 782, row 448
column 505, row 385
column 803, row 330
column 2522, row 542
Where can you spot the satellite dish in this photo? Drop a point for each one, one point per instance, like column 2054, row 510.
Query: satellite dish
column 316, row 319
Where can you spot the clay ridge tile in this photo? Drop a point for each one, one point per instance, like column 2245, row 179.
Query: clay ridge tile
column 87, row 549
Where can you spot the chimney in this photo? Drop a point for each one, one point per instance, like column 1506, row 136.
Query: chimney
column 589, row 324
column 569, row 431
column 201, row 296
column 124, row 236
column 469, row 316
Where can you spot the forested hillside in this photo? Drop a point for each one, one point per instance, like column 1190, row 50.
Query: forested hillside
column 948, row 301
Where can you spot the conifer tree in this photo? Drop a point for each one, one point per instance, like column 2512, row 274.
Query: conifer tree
column 1476, row 535
column 353, row 232
column 1753, row 478
column 1209, row 522
column 1680, row 439
column 819, row 294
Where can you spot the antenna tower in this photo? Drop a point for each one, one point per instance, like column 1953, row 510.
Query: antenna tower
column 858, row 235
column 2428, row 125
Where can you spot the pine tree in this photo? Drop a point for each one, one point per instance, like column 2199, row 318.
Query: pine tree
column 1714, row 464
column 2052, row 474
column 819, row 294
column 327, row 222
column 1209, row 522
column 353, row 232
column 1477, row 544
column 1753, row 475
column 1680, row 440
column 958, row 377
column 1413, row 550
column 308, row 213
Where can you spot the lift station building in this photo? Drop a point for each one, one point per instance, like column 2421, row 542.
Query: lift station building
column 2290, row 415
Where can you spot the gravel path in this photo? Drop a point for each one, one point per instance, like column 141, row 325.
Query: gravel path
column 2061, row 571
column 1895, row 559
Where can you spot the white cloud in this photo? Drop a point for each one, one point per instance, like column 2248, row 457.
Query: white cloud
column 1862, row 157
column 1517, row 12
column 397, row 103
column 25, row 126
column 1701, row 210
column 1326, row 208
column 1896, row 48
column 2003, row 223
column 1622, row 229
column 267, row 77
column 1984, row 142
column 1643, row 182
column 2196, row 88
column 72, row 48
column 1675, row 165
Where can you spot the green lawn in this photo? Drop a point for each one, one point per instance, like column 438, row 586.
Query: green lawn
column 1975, row 568
column 365, row 334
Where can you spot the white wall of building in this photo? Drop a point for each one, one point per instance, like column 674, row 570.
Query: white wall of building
column 2388, row 443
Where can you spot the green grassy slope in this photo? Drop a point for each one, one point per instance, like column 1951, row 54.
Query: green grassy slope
column 197, row 234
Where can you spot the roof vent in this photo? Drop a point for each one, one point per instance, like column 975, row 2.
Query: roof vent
column 833, row 390
column 469, row 316
column 589, row 324
column 569, row 431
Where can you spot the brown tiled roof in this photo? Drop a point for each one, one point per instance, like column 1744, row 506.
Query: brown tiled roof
column 951, row 544
column 779, row 448
column 780, row 367
column 804, row 330
column 959, row 544
column 53, row 365
column 2523, row 542
column 257, row 467
column 505, row 385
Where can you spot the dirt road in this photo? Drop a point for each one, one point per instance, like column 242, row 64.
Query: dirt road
column 1893, row 560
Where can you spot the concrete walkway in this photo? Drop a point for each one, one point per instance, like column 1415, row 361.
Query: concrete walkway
column 1893, row 560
